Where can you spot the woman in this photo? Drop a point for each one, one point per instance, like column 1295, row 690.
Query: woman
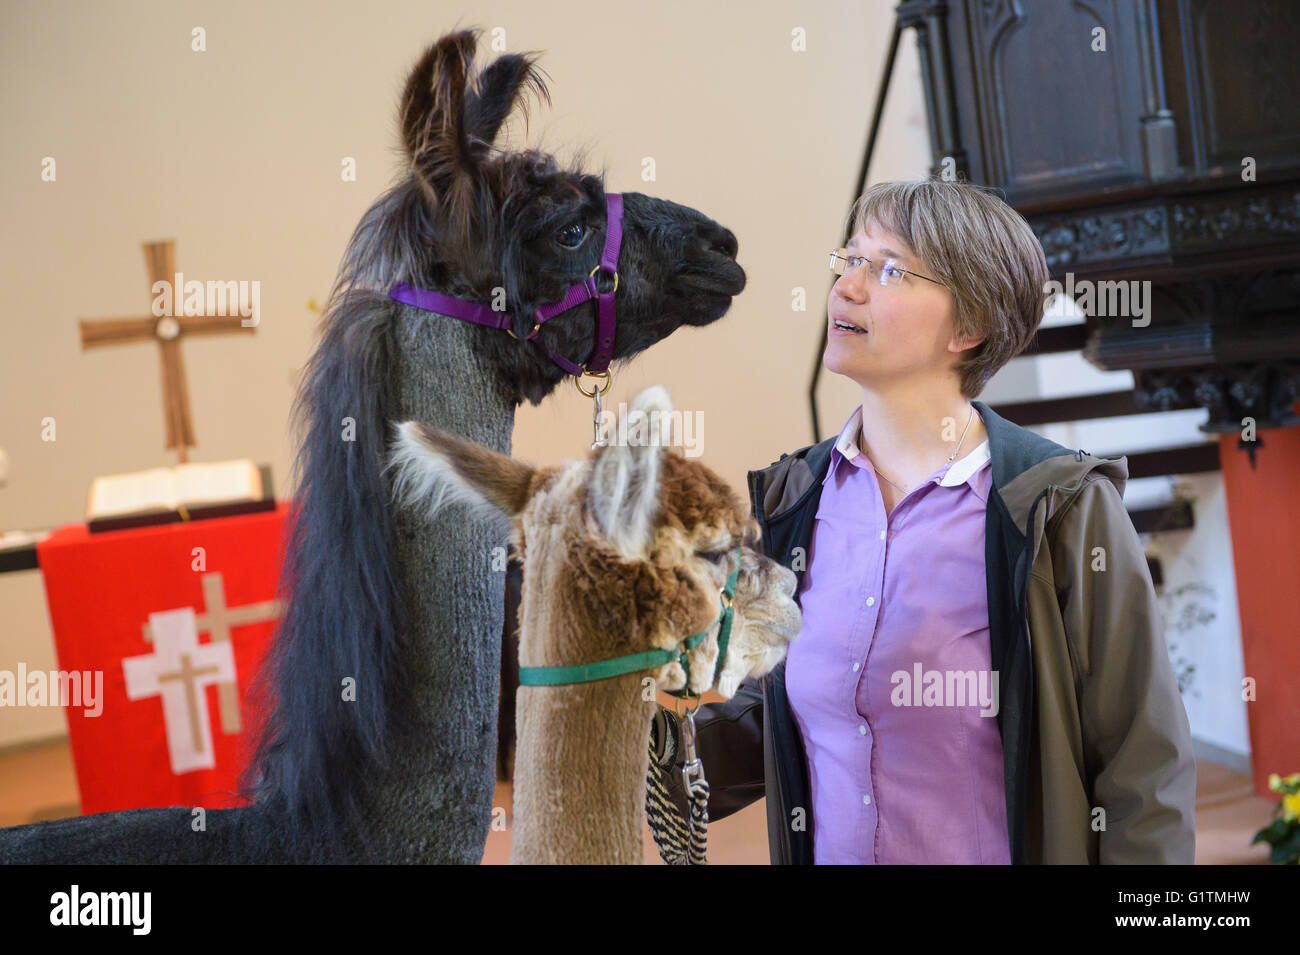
column 981, row 676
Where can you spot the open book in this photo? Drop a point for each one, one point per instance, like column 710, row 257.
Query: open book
column 183, row 492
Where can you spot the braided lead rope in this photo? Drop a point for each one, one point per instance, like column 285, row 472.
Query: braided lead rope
column 666, row 824
column 680, row 842
column 699, row 821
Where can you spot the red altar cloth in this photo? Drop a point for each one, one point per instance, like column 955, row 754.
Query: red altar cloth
column 174, row 619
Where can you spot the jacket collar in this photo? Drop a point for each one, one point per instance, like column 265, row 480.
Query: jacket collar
column 1026, row 464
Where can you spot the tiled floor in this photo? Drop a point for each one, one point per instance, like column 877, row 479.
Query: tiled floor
column 38, row 782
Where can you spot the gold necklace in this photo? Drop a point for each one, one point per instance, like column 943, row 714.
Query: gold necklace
column 969, row 419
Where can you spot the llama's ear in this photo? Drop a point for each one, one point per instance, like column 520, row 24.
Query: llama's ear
column 432, row 467
column 623, row 494
column 501, row 88
column 434, row 131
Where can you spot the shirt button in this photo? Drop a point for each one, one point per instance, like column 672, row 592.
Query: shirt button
column 862, row 730
column 857, row 667
column 882, row 535
column 866, row 800
column 871, row 601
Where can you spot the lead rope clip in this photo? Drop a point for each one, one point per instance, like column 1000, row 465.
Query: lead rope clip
column 696, row 788
column 598, row 436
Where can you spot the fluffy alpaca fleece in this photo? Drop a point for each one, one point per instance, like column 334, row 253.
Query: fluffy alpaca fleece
column 624, row 551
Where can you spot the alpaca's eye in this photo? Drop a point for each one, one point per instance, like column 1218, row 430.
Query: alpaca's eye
column 717, row 556
column 571, row 236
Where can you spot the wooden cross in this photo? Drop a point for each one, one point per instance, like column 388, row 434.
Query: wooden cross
column 160, row 262
column 187, row 674
column 217, row 619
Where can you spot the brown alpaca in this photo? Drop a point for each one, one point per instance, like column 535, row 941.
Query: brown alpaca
column 625, row 551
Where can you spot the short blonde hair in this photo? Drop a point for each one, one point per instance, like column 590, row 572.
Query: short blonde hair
column 982, row 250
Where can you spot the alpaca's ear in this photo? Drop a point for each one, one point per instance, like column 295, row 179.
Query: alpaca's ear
column 623, row 495
column 501, row 88
column 432, row 467
column 434, row 131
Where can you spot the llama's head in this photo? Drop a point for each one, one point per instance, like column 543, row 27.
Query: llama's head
column 514, row 230
column 625, row 551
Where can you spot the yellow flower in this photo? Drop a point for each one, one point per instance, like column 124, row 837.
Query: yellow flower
column 1274, row 782
column 1291, row 807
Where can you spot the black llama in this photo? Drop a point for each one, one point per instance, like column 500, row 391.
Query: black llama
column 411, row 608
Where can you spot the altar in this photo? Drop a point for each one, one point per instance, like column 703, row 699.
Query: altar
column 174, row 620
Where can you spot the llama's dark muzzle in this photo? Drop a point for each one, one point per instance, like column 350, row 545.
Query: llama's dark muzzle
column 711, row 266
column 719, row 239
column 710, row 262
column 722, row 277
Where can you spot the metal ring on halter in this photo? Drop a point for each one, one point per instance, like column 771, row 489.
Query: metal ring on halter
column 609, row 380
column 689, row 709
column 614, row 273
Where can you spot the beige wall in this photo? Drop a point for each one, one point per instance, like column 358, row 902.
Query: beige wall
column 235, row 153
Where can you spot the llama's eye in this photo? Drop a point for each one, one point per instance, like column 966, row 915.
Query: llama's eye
column 717, row 556
column 572, row 236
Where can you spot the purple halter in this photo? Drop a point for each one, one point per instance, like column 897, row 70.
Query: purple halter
column 432, row 301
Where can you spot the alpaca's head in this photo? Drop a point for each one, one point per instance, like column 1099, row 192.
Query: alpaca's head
column 634, row 544
column 514, row 230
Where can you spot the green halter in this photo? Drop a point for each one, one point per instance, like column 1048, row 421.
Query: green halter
column 604, row 669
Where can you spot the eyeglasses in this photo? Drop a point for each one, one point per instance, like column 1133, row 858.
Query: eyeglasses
column 889, row 272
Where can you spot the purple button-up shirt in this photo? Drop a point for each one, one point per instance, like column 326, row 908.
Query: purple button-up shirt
column 891, row 673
